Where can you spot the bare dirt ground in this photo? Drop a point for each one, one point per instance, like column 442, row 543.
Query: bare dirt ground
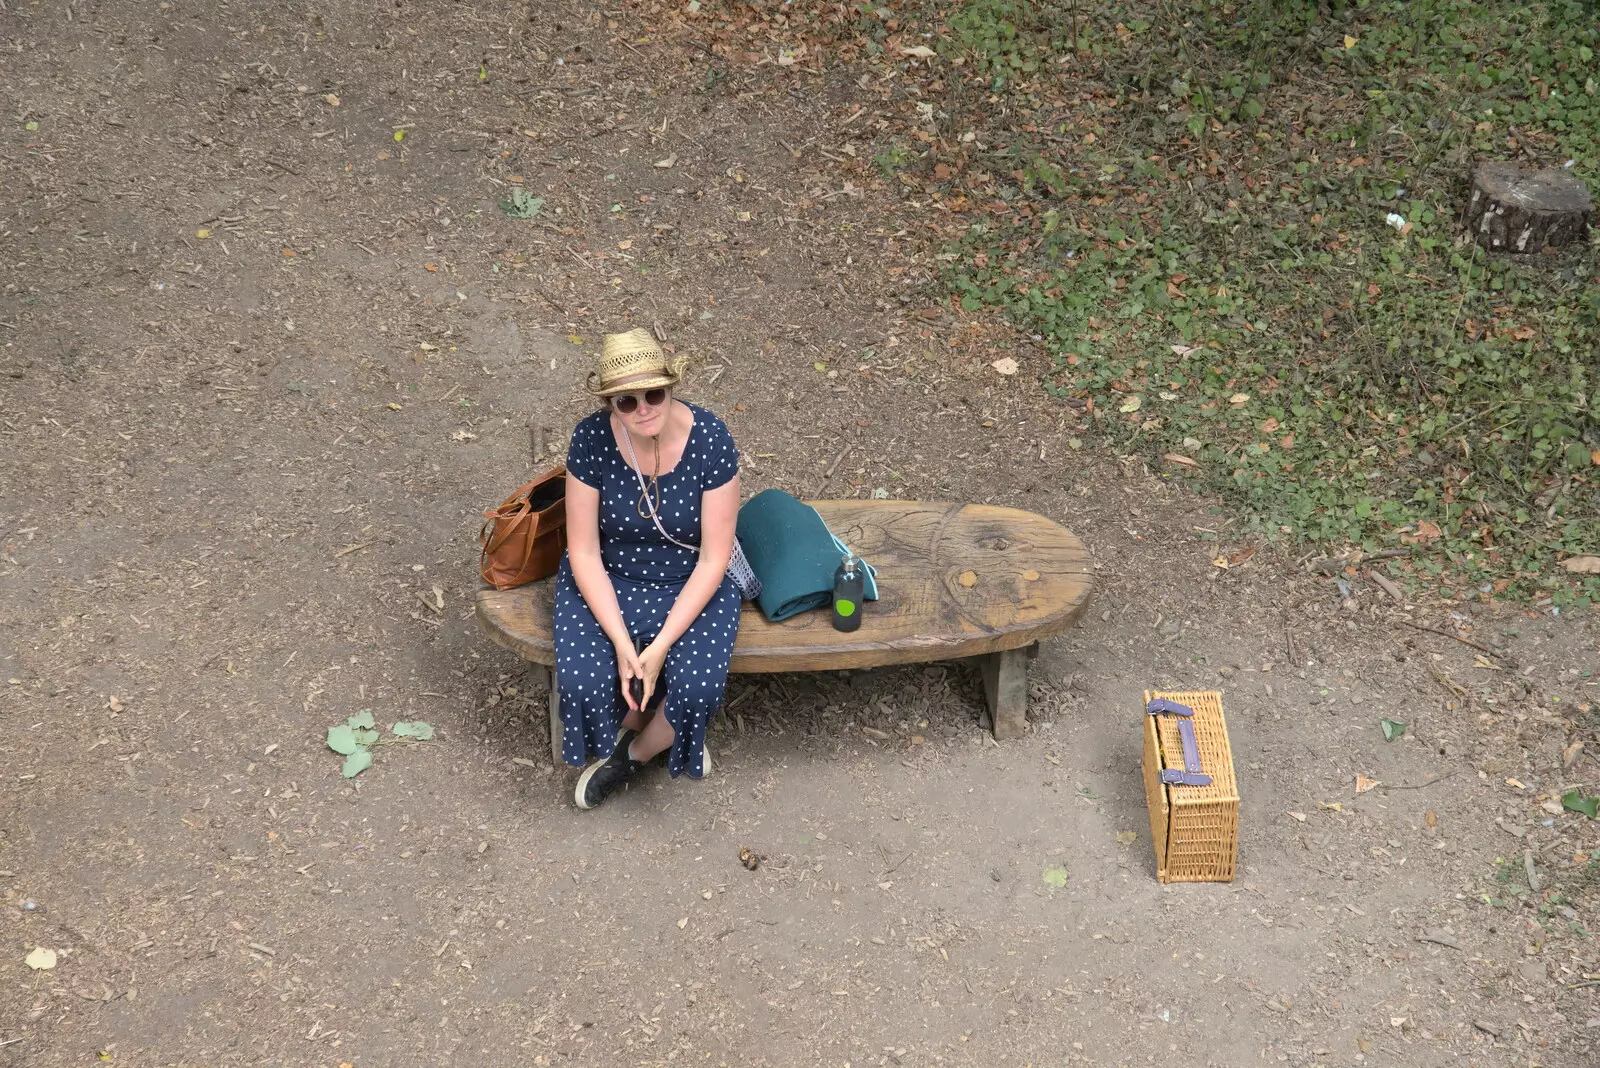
column 242, row 478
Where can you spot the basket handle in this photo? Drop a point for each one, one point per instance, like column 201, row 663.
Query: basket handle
column 1191, row 775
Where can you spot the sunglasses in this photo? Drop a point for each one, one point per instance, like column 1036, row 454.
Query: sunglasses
column 628, row 403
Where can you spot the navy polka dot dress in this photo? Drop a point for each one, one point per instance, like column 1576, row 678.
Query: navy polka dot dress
column 647, row 572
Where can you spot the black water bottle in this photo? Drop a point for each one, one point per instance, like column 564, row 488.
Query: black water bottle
column 849, row 586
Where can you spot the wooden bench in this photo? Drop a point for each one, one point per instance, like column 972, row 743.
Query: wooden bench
column 954, row 581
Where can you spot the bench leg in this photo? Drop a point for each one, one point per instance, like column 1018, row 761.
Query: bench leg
column 549, row 677
column 1005, row 688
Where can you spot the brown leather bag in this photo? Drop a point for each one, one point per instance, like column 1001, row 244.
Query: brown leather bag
column 524, row 537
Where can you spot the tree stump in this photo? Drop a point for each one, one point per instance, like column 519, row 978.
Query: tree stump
column 1513, row 210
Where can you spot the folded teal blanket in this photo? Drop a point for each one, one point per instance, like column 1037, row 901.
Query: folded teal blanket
column 793, row 553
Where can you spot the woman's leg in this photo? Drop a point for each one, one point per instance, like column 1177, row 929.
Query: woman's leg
column 586, row 676
column 694, row 676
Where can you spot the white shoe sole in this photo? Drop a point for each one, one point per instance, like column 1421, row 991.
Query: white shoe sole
column 705, row 760
column 583, row 783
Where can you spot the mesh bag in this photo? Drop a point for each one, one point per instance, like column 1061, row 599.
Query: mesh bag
column 743, row 577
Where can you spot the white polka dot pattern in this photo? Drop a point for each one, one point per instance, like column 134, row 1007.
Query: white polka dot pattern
column 647, row 572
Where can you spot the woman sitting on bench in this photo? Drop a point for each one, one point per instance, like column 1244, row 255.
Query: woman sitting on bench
column 644, row 621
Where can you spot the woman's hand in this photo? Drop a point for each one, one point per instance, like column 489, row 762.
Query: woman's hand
column 629, row 668
column 650, row 664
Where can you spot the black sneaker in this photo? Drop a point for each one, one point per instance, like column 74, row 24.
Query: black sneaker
column 604, row 776
column 625, row 737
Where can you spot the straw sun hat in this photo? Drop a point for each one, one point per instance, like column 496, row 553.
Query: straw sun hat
column 632, row 361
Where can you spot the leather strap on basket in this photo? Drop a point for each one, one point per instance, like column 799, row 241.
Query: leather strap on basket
column 1191, row 775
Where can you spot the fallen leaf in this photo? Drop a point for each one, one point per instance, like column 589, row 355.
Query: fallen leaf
column 202, row 234
column 1392, row 729
column 1220, row 561
column 431, row 267
column 1185, row 350
column 356, row 763
column 115, row 704
column 917, row 739
column 332, row 99
column 1431, row 818
column 1127, row 837
column 1331, row 806
column 392, row 406
column 1569, row 755
column 1287, row 441
column 41, row 959
column 968, row 579
column 289, row 253
column 399, row 135
column 1582, row 565
column 417, row 729
column 1300, row 816
column 625, row 244
column 683, row 923
column 1350, row 42
column 1005, row 365
column 1427, row 530
column 920, row 51
column 819, row 366
column 1484, row 663
column 342, row 739
column 427, row 347
column 668, row 162
column 1270, row 425
column 1516, row 784
column 1363, row 784
column 1574, row 801
column 1178, row 458
column 31, row 127
column 1056, row 876
column 1132, row 404
column 1238, row 398
column 1242, row 555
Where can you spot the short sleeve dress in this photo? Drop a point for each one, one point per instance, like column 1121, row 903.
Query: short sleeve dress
column 648, row 572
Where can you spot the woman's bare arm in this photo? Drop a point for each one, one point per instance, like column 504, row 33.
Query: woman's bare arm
column 719, row 514
column 588, row 569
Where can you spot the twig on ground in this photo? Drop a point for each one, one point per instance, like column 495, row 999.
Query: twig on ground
column 1459, row 638
column 892, row 868
column 1387, row 586
column 1414, row 785
column 837, row 460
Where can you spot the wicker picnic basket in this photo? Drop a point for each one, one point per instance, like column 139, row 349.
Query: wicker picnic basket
column 1195, row 829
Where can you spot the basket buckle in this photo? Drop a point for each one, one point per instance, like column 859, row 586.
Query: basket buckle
column 1191, row 775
